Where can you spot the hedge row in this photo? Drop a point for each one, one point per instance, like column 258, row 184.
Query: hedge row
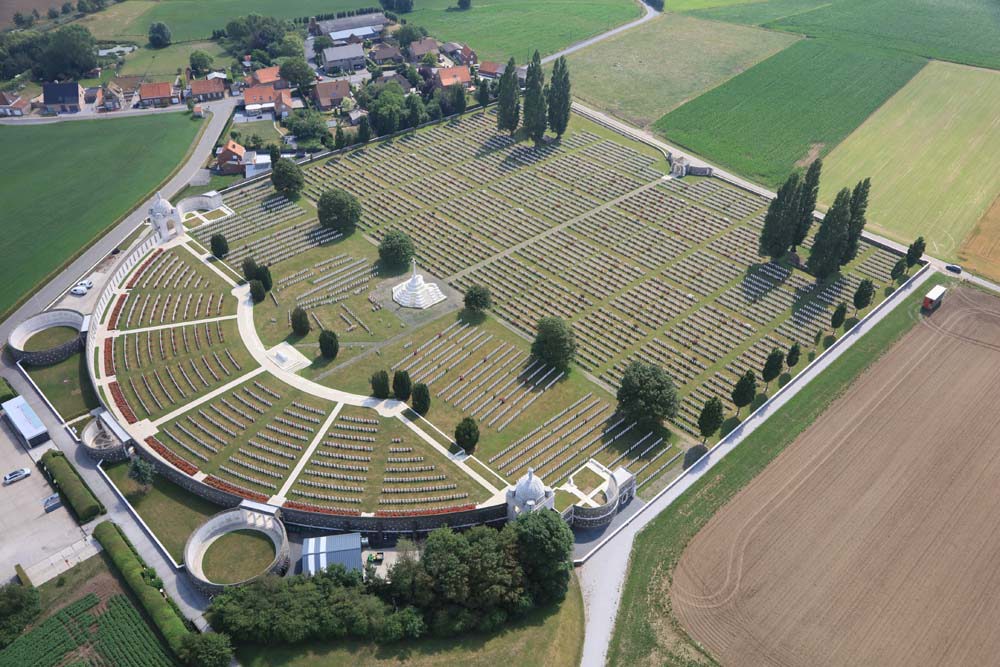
column 6, row 391
column 85, row 504
column 134, row 571
column 22, row 576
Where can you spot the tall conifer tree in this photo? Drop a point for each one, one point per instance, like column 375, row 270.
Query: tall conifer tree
column 508, row 103
column 560, row 102
column 831, row 240
column 856, row 225
column 535, row 117
column 808, row 191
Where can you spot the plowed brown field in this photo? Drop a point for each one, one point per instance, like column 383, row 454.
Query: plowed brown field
column 874, row 539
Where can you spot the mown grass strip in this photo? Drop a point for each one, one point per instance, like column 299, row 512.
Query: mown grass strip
column 645, row 603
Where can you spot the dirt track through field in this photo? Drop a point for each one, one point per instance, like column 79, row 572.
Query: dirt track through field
column 874, row 539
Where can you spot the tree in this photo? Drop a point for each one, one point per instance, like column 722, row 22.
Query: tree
column 483, row 95
column 329, row 345
column 915, row 251
column 692, row 455
column 421, row 398
column 257, row 291
column 322, row 42
column 554, row 343
column 430, row 59
column 67, row 8
column 364, row 130
column 560, row 101
column 647, row 394
column 535, row 113
column 773, row 365
column 159, row 35
column 395, row 249
column 831, row 240
column 339, row 140
column 219, row 245
column 287, row 178
column 141, row 472
column 338, row 209
column 456, row 100
column 300, row 321
column 839, row 315
column 415, row 112
column 249, row 268
column 780, row 220
column 402, row 385
column 508, row 100
column 545, row 543
column 209, row 649
column 478, row 298
column 297, row 72
column 745, row 390
column 263, row 274
column 856, row 222
column 710, row 418
column 467, row 434
column 19, row 605
column 863, row 295
column 806, row 203
column 200, row 61
column 898, row 269
column 53, row 13
column 409, row 33
column 22, row 20
column 464, row 4
column 70, row 53
column 794, row 352
column 274, row 152
column 380, row 384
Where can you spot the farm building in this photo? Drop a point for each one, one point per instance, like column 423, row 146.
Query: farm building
column 64, row 97
column 343, row 58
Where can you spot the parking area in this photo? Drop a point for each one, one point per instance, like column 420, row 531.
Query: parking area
column 29, row 534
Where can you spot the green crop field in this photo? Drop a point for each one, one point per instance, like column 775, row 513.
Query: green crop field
column 965, row 31
column 746, row 12
column 629, row 77
column 500, row 29
column 933, row 153
column 66, row 182
column 792, row 107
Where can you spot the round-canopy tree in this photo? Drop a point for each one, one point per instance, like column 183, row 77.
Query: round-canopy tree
column 297, row 72
column 794, row 352
column 478, row 298
column 692, row 455
column 329, row 345
column 200, row 61
column 395, row 249
column 159, row 35
column 745, row 390
column 287, row 178
column 208, row 649
column 773, row 366
column 338, row 209
column 554, row 343
column 647, row 394
column 467, row 434
column 710, row 418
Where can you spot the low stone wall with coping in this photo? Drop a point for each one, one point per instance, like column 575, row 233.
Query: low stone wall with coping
column 59, row 317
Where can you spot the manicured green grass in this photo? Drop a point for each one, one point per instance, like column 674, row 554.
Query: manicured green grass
column 792, row 107
column 628, row 76
column 65, row 183
column 237, row 556
column 933, row 154
column 49, row 338
column 747, row 12
column 552, row 637
column 587, row 480
column 501, row 29
column 170, row 511
column 170, row 61
column 645, row 631
column 264, row 129
column 965, row 31
column 114, row 22
column 66, row 385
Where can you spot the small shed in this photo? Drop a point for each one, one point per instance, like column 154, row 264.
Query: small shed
column 25, row 423
column 319, row 553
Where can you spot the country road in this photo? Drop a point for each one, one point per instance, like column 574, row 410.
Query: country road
column 648, row 16
column 65, row 118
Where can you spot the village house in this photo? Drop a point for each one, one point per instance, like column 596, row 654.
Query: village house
column 66, row 97
column 267, row 76
column 343, row 58
column 229, row 159
column 329, row 94
column 422, row 47
column 208, row 89
column 460, row 54
column 12, row 104
column 265, row 99
column 383, row 54
column 390, row 77
column 94, row 95
column 114, row 97
column 452, row 76
column 491, row 70
column 158, row 94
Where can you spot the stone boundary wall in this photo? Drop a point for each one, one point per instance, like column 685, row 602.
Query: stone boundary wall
column 205, row 201
column 112, row 454
column 598, row 517
column 59, row 317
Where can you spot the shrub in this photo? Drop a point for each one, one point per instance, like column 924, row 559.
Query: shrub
column 380, row 384
column 395, row 249
column 692, row 455
column 85, row 505
column 401, row 385
column 421, row 398
column 135, row 573
column 300, row 321
column 467, row 434
column 257, row 292
column 329, row 345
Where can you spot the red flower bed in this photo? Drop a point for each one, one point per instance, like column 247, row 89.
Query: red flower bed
column 113, row 320
column 109, row 357
column 222, row 485
column 119, row 397
column 430, row 512
column 174, row 460
column 306, row 507
column 142, row 269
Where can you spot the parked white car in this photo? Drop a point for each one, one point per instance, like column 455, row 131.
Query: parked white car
column 88, row 283
column 15, row 476
column 78, row 290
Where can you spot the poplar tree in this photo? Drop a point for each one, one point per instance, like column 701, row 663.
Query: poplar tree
column 806, row 204
column 560, row 101
column 915, row 251
column 856, row 223
column 535, row 117
column 508, row 103
column 831, row 240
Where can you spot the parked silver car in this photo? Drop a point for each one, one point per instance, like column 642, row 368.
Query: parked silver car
column 15, row 476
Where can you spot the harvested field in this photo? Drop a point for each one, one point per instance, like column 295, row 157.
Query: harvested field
column 871, row 524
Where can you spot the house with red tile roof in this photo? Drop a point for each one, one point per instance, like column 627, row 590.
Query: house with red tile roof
column 157, row 94
column 208, row 89
column 267, row 76
column 453, row 76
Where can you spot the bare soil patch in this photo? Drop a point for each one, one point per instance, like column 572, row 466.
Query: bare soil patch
column 872, row 538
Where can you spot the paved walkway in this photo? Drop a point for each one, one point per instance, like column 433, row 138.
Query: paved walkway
column 603, row 574
column 51, row 567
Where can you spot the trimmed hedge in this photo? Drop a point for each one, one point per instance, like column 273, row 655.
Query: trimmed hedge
column 134, row 571
column 85, row 504
column 22, row 576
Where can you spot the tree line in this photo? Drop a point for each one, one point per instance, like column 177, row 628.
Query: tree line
column 477, row 580
column 545, row 107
